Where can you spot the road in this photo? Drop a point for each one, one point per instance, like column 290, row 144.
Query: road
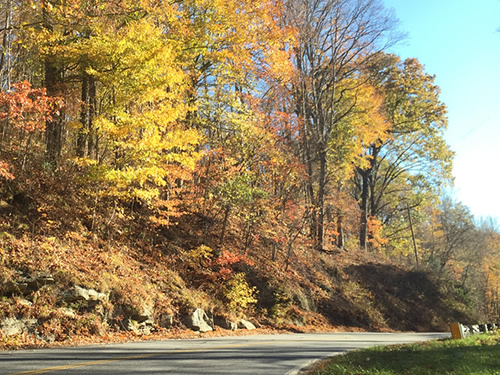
column 260, row 354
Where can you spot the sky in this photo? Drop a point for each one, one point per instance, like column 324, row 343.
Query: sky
column 459, row 42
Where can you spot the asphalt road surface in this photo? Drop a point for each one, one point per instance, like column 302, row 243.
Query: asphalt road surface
column 260, row 354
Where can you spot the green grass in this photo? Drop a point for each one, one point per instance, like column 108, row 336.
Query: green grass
column 475, row 355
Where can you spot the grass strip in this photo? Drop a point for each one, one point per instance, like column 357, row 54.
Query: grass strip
column 475, row 355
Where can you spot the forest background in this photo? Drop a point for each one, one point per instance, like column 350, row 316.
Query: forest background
column 253, row 158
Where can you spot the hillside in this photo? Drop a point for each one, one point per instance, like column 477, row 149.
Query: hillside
column 65, row 283
column 169, row 167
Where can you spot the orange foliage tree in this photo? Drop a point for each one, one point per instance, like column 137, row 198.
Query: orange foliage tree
column 24, row 111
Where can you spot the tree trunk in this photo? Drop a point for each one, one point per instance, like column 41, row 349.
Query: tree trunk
column 363, row 232
column 53, row 127
column 340, row 230
column 373, row 207
column 93, row 149
column 83, row 135
column 5, row 57
column 321, row 201
column 87, row 139
column 224, row 226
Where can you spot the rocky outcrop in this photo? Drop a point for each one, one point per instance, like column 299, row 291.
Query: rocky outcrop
column 24, row 284
column 245, row 324
column 165, row 320
column 136, row 319
column 90, row 297
column 14, row 326
column 199, row 321
column 72, row 304
column 225, row 323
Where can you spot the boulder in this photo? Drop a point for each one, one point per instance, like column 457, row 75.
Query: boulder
column 67, row 312
column 90, row 296
column 142, row 314
column 165, row 320
column 39, row 280
column 24, row 284
column 225, row 323
column 140, row 328
column 256, row 323
column 245, row 324
column 13, row 326
column 136, row 319
column 198, row 320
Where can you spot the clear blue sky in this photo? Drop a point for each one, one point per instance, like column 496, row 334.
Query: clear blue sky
column 458, row 41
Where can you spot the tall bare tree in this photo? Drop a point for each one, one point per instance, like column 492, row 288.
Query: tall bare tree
column 336, row 39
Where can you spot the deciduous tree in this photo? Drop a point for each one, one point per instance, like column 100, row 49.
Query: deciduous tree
column 415, row 158
column 335, row 40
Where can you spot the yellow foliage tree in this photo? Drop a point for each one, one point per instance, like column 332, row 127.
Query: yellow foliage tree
column 145, row 147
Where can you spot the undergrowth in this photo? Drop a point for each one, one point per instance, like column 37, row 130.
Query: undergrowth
column 52, row 229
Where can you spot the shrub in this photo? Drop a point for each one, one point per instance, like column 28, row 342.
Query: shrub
column 239, row 293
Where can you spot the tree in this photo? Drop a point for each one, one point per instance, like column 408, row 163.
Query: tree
column 415, row 157
column 234, row 54
column 363, row 125
column 24, row 110
column 454, row 234
column 145, row 148
column 336, row 39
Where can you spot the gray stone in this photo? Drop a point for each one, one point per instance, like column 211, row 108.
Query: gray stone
column 256, row 323
column 198, row 320
column 13, row 287
column 39, row 280
column 50, row 337
column 136, row 319
column 140, row 328
column 25, row 284
column 13, row 326
column 165, row 320
column 65, row 311
column 142, row 315
column 90, row 296
column 245, row 324
column 225, row 323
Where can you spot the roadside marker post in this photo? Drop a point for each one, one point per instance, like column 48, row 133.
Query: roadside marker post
column 457, row 331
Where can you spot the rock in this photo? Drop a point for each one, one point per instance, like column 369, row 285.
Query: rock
column 65, row 311
column 39, row 280
column 13, row 326
column 136, row 319
column 90, row 296
column 25, row 284
column 49, row 337
column 256, row 323
column 143, row 315
column 25, row 302
column 245, row 324
column 140, row 328
column 165, row 320
column 199, row 321
column 225, row 323
column 13, row 287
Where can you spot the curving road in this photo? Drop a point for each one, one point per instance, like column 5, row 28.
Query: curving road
column 260, row 354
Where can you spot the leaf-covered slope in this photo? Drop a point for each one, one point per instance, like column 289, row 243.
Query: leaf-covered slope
column 51, row 229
